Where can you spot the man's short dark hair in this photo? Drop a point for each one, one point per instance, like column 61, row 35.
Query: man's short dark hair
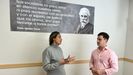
column 104, row 34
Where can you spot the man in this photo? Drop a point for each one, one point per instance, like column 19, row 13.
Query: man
column 85, row 26
column 103, row 60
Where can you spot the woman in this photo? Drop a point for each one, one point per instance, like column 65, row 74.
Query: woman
column 53, row 59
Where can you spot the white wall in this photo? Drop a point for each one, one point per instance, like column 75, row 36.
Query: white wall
column 26, row 47
column 129, row 43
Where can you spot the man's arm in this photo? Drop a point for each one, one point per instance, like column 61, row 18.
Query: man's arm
column 91, row 62
column 113, row 64
column 93, row 70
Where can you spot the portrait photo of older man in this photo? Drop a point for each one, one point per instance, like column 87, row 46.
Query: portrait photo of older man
column 85, row 27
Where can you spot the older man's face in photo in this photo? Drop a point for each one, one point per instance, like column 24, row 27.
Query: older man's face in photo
column 84, row 16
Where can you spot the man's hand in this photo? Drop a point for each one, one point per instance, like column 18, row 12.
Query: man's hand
column 100, row 71
column 97, row 71
column 93, row 70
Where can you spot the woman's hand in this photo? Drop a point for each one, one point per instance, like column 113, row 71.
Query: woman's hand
column 70, row 58
column 62, row 61
column 67, row 60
